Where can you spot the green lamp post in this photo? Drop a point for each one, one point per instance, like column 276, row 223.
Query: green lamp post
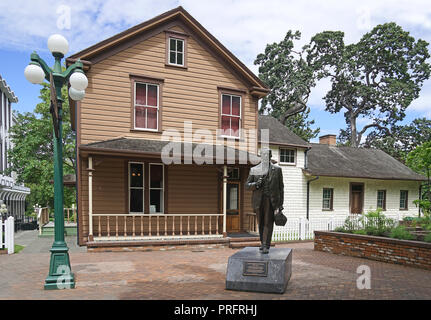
column 60, row 275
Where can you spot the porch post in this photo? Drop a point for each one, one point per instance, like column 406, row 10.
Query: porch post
column 90, row 198
column 224, row 199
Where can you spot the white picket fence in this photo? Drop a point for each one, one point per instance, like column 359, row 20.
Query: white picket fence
column 7, row 232
column 303, row 229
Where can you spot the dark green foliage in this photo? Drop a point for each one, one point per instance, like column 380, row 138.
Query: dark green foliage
column 376, row 78
column 290, row 78
column 402, row 140
column 400, row 232
column 32, row 155
column 419, row 160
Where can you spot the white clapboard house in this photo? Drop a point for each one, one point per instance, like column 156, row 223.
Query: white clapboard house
column 324, row 180
column 11, row 193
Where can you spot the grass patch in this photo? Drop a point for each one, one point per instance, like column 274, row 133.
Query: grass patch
column 18, row 248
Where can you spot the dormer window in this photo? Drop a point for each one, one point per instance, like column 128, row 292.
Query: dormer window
column 176, row 51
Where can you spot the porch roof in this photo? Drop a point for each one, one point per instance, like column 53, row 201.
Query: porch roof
column 154, row 148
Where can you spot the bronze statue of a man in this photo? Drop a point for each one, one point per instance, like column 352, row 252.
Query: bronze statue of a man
column 266, row 181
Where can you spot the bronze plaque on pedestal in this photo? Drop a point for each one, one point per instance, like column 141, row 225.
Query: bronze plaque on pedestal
column 255, row 268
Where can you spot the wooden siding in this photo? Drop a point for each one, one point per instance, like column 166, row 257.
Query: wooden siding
column 190, row 189
column 188, row 94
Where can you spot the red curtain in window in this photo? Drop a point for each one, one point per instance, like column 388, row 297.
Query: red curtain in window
column 152, row 96
column 230, row 119
column 141, row 94
column 236, row 106
column 140, row 117
column 152, row 118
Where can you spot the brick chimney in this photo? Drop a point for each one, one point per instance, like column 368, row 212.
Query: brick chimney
column 330, row 139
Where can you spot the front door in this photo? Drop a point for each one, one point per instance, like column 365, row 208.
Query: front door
column 356, row 198
column 232, row 206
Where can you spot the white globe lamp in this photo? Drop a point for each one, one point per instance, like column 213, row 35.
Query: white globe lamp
column 34, row 74
column 78, row 81
column 76, row 95
column 58, row 44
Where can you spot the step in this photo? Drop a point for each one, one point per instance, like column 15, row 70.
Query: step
column 236, row 245
column 244, row 239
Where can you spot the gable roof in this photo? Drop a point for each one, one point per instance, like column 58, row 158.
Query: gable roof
column 116, row 42
column 280, row 134
column 333, row 161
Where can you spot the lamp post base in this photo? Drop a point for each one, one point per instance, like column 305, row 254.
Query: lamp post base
column 60, row 275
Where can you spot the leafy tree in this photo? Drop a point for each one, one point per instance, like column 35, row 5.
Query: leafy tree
column 32, row 155
column 420, row 161
column 402, row 140
column 290, row 78
column 376, row 78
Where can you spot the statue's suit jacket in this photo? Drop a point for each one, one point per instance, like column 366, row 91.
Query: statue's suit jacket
column 276, row 187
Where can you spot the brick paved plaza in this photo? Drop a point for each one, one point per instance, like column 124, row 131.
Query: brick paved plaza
column 200, row 274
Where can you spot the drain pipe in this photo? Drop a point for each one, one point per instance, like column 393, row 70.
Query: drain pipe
column 308, row 195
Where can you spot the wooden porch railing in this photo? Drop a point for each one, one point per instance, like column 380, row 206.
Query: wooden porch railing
column 42, row 217
column 252, row 221
column 156, row 226
column 70, row 214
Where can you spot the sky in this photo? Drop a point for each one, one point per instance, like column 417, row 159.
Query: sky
column 245, row 27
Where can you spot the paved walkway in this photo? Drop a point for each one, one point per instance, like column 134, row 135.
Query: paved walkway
column 188, row 274
column 34, row 244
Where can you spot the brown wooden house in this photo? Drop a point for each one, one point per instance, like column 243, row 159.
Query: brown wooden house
column 149, row 79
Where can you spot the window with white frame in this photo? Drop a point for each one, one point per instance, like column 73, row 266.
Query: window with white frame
column 147, row 106
column 156, row 187
column 328, row 199
column 230, row 115
column 136, row 187
column 404, row 195
column 381, row 199
column 287, row 155
column 176, row 51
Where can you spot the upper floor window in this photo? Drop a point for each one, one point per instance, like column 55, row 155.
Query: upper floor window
column 176, row 51
column 287, row 156
column 146, row 106
column 404, row 196
column 381, row 199
column 230, row 115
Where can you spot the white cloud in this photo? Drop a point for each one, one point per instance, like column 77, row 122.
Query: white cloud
column 243, row 26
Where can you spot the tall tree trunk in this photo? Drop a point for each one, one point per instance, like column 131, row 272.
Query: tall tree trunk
column 353, row 130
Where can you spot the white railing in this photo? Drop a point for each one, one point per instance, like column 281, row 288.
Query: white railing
column 7, row 232
column 156, row 226
column 303, row 229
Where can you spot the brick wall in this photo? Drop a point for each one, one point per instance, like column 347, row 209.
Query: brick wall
column 405, row 252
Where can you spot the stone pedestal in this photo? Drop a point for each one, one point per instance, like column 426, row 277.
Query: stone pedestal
column 250, row 270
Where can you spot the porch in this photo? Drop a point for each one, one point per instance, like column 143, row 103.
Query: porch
column 131, row 200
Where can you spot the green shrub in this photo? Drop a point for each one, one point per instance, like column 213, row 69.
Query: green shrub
column 340, row 229
column 360, row 232
column 428, row 237
column 400, row 232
